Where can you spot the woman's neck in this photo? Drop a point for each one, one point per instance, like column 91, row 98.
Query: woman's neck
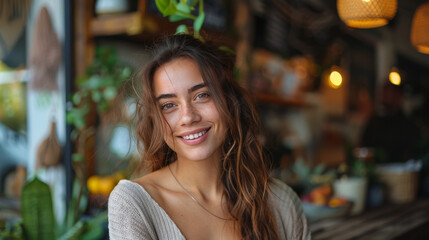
column 201, row 178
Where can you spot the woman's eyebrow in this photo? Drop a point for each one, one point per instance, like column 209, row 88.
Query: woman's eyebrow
column 168, row 95
column 196, row 87
column 172, row 95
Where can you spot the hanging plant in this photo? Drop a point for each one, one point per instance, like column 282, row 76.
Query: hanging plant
column 186, row 10
column 182, row 10
column 100, row 85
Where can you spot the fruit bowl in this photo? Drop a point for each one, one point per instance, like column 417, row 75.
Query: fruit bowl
column 315, row 212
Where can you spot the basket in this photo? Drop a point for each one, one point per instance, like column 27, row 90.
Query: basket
column 401, row 187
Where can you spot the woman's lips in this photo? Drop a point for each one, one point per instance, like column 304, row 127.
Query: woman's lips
column 195, row 138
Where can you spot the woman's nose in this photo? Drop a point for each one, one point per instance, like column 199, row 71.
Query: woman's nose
column 189, row 114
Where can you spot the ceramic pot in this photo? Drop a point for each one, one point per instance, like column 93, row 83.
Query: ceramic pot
column 353, row 189
column 105, row 7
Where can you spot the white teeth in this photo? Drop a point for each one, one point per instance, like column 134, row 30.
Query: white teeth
column 193, row 136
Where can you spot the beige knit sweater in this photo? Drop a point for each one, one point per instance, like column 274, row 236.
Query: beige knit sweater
column 133, row 214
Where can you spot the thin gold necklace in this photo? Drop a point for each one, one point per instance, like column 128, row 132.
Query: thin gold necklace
column 193, row 198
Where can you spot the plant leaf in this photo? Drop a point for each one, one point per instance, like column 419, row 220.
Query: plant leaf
column 74, row 232
column 77, row 98
column 182, row 29
column 227, row 49
column 77, row 157
column 36, row 209
column 71, row 215
column 171, row 9
column 93, row 82
column 93, row 232
column 110, row 93
column 74, row 134
column 162, row 5
column 175, row 18
column 126, row 72
column 102, row 107
column 95, row 227
column 192, row 3
column 184, row 8
column 198, row 23
column 79, row 122
column 96, row 96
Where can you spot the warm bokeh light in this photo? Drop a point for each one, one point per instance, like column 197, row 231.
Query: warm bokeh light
column 419, row 29
column 366, row 13
column 335, row 79
column 395, row 78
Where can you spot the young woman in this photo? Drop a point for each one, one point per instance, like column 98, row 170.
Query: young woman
column 208, row 177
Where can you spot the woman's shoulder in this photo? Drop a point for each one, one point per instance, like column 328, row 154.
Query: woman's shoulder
column 143, row 189
column 128, row 192
column 283, row 193
column 154, row 184
column 288, row 212
column 134, row 214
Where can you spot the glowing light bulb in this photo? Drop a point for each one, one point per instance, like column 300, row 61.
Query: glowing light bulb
column 335, row 79
column 395, row 78
column 366, row 1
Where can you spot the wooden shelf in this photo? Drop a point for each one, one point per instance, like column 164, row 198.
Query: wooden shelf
column 279, row 101
column 130, row 24
column 142, row 27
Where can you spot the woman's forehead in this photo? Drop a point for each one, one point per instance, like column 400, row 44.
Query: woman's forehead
column 178, row 74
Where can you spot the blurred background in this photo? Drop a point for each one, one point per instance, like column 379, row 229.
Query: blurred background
column 342, row 88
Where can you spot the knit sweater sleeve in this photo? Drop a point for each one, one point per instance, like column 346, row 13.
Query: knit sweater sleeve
column 288, row 212
column 128, row 217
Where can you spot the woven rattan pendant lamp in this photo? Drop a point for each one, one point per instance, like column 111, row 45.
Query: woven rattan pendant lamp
column 366, row 13
column 420, row 29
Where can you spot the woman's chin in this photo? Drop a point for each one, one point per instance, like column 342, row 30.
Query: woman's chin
column 198, row 156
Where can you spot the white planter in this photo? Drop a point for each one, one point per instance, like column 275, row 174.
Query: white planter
column 353, row 189
column 103, row 7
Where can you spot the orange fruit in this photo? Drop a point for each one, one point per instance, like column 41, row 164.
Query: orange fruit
column 106, row 185
column 337, row 201
column 93, row 184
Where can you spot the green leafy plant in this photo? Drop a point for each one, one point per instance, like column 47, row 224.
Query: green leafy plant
column 37, row 212
column 78, row 203
column 311, row 176
column 177, row 10
column 98, row 88
column 38, row 220
column 75, row 225
column 100, row 85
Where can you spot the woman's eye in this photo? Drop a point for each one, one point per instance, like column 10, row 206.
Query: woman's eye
column 203, row 95
column 167, row 106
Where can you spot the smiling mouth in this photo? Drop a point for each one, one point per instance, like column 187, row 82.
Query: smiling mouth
column 195, row 135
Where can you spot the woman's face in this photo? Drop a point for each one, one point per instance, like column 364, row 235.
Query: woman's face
column 194, row 129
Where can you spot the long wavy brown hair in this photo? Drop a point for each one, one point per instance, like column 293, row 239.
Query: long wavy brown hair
column 244, row 172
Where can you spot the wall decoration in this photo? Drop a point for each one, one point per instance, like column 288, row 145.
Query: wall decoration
column 45, row 55
column 49, row 150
